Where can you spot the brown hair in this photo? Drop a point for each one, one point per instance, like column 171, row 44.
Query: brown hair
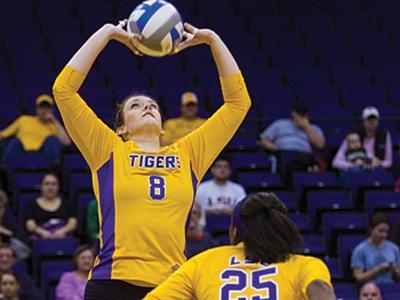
column 12, row 273
column 269, row 236
column 78, row 252
column 376, row 219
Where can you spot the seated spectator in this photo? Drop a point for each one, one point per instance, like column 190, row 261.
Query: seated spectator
column 174, row 129
column 376, row 142
column 376, row 258
column 42, row 132
column 72, row 284
column 10, row 232
column 28, row 289
column 197, row 239
column 219, row 195
column 49, row 217
column 10, row 286
column 370, row 291
column 292, row 140
column 92, row 221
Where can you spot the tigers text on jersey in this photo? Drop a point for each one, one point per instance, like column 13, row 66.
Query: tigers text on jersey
column 223, row 274
column 145, row 197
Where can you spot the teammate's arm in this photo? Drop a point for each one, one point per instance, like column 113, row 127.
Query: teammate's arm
column 93, row 138
column 206, row 142
column 318, row 290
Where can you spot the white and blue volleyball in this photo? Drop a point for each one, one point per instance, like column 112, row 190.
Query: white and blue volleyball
column 160, row 25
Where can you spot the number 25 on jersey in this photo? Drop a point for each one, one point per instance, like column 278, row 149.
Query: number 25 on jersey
column 255, row 283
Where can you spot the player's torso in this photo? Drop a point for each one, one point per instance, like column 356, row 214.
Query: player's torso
column 230, row 277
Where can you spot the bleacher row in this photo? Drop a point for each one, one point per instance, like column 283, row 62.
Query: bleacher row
column 342, row 53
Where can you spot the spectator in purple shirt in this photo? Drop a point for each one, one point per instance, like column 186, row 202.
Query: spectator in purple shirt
column 376, row 142
column 72, row 284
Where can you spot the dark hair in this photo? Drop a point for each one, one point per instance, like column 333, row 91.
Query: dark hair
column 300, row 107
column 12, row 273
column 223, row 157
column 376, row 219
column 78, row 252
column 268, row 234
column 119, row 115
column 50, row 174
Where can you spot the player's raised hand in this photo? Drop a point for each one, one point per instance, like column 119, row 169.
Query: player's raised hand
column 195, row 36
column 126, row 38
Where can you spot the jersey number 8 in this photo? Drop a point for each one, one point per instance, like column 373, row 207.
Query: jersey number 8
column 255, row 282
column 157, row 187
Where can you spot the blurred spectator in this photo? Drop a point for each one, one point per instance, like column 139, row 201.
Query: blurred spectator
column 10, row 286
column 376, row 142
column 197, row 239
column 376, row 258
column 219, row 195
column 49, row 217
column 42, row 132
column 174, row 129
column 292, row 140
column 395, row 233
column 10, row 232
column 28, row 289
column 370, row 291
column 92, row 221
column 72, row 284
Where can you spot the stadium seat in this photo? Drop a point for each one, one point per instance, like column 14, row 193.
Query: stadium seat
column 376, row 60
column 356, row 23
column 334, row 267
column 243, row 143
column 389, row 78
column 343, row 7
column 326, row 41
column 253, row 181
column 270, row 24
column 305, row 7
column 313, row 245
column 333, row 59
column 390, row 24
column 262, row 77
column 363, row 42
column 82, row 202
column 345, row 291
column 292, row 59
column 337, row 222
column 346, row 244
column 314, row 95
column 350, row 77
column 305, row 77
column 79, row 182
column 390, row 291
column 43, row 249
column 313, row 23
column 321, row 201
column 284, row 97
column 301, row 220
column 274, row 42
column 359, row 97
column 287, row 198
column 384, row 8
column 306, row 181
column 249, row 160
column 263, row 8
column 381, row 200
column 218, row 224
column 51, row 272
column 25, row 181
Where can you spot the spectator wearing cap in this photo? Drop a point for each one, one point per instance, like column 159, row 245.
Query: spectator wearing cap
column 293, row 140
column 375, row 140
column 176, row 128
column 41, row 132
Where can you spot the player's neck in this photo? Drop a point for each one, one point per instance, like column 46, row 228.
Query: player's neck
column 146, row 141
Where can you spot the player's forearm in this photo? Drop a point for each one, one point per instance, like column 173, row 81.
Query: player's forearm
column 223, row 58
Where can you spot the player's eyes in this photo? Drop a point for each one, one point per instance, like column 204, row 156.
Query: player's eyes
column 134, row 105
column 153, row 106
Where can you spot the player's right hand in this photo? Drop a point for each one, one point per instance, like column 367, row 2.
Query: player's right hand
column 121, row 35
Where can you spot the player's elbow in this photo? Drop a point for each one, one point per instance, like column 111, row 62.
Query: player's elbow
column 318, row 289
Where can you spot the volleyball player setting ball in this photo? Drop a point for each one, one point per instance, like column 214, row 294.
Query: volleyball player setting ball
column 145, row 192
column 260, row 264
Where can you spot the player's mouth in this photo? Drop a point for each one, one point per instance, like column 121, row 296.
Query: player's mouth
column 148, row 114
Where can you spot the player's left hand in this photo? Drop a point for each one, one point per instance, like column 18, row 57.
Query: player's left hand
column 195, row 36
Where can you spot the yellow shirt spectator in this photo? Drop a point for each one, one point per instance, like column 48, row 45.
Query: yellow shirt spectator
column 174, row 129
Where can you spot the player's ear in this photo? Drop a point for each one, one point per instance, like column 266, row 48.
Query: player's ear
column 162, row 132
column 121, row 131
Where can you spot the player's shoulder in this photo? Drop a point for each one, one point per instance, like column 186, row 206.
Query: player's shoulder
column 303, row 260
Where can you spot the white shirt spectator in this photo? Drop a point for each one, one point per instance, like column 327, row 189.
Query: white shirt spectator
column 218, row 198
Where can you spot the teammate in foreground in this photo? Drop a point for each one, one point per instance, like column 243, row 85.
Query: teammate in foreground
column 260, row 263
column 145, row 192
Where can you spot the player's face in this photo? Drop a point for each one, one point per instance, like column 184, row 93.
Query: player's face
column 380, row 232
column 7, row 259
column 371, row 123
column 9, row 286
column 85, row 261
column 370, row 292
column 190, row 110
column 141, row 113
column 221, row 170
column 50, row 186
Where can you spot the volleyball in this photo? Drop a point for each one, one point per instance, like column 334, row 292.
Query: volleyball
column 160, row 25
